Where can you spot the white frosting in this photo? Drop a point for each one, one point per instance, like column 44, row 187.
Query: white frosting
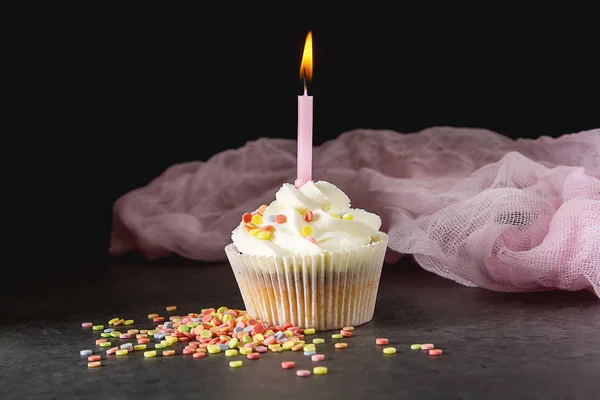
column 329, row 232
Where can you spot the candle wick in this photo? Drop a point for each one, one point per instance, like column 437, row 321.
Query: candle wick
column 304, row 79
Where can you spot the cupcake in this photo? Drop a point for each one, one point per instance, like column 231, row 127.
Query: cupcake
column 309, row 259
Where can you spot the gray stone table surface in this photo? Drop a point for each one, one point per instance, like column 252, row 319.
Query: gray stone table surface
column 497, row 345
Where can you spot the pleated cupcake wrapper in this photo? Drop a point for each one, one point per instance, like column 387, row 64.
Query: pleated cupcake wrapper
column 324, row 291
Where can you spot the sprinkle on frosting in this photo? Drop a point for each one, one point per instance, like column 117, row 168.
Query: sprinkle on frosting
column 313, row 218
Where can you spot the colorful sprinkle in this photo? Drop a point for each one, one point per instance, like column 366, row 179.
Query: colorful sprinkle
column 94, row 358
column 415, row 347
column 171, row 308
column 85, row 352
column 318, row 341
column 341, row 345
column 345, row 333
column 348, row 217
column 253, row 356
column 167, row 353
column 288, row 364
column 320, row 370
column 306, row 230
column 280, row 219
column 309, row 331
column 94, row 364
column 427, row 346
column 261, row 210
column 235, row 364
column 199, row 355
column 389, row 350
column 317, row 357
column 122, row 352
column 303, row 372
column 308, row 216
column 247, row 217
column 97, row 327
column 264, row 235
column 337, row 336
column 348, row 328
column 257, row 219
column 435, row 352
column 382, row 341
column 86, row 324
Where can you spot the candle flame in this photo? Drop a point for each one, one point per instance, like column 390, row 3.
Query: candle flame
column 306, row 66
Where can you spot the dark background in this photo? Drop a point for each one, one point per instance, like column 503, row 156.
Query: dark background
column 113, row 97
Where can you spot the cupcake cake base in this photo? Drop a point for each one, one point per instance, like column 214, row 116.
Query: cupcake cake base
column 325, row 291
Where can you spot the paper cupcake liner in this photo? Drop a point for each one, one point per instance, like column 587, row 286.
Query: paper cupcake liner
column 324, row 291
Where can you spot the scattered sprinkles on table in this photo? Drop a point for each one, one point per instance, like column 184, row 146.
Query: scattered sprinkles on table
column 213, row 331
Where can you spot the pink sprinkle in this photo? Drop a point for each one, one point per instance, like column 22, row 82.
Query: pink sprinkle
column 427, row 346
column 87, row 325
column 311, row 239
column 317, row 357
column 271, row 339
column 125, row 336
column 112, row 350
column 303, row 372
column 261, row 349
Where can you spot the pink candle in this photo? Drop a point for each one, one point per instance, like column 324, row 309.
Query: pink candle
column 305, row 119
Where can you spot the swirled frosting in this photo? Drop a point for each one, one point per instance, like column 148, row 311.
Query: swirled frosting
column 313, row 218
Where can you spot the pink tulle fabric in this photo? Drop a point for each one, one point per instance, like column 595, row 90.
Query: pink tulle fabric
column 470, row 205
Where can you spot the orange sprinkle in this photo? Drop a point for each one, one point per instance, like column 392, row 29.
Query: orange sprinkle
column 261, row 209
column 435, row 352
column 247, row 217
column 168, row 352
column 288, row 364
column 308, row 216
column 280, row 218
column 268, row 228
column 341, row 345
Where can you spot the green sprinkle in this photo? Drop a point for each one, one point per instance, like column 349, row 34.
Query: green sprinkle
column 233, row 343
column 337, row 336
column 115, row 334
column 183, row 328
column 415, row 347
column 309, row 331
column 105, row 344
column 231, row 352
column 98, row 327
column 105, row 334
column 235, row 364
column 318, row 341
column 159, row 346
column 389, row 350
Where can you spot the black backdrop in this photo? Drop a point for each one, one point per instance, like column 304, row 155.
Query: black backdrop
column 115, row 96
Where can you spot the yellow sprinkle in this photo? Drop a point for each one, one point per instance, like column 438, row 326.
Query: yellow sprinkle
column 259, row 338
column 235, row 364
column 245, row 350
column 288, row 345
column 289, row 333
column 348, row 217
column 160, row 346
column 150, row 316
column 139, row 347
column 254, row 232
column 309, row 331
column 231, row 353
column 348, row 328
column 277, row 349
column 257, row 219
column 213, row 349
column 264, row 235
column 122, row 352
column 318, row 341
column 306, row 230
column 112, row 321
column 320, row 370
column 389, row 350
column 334, row 215
column 128, row 322
column 150, row 354
column 273, row 346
